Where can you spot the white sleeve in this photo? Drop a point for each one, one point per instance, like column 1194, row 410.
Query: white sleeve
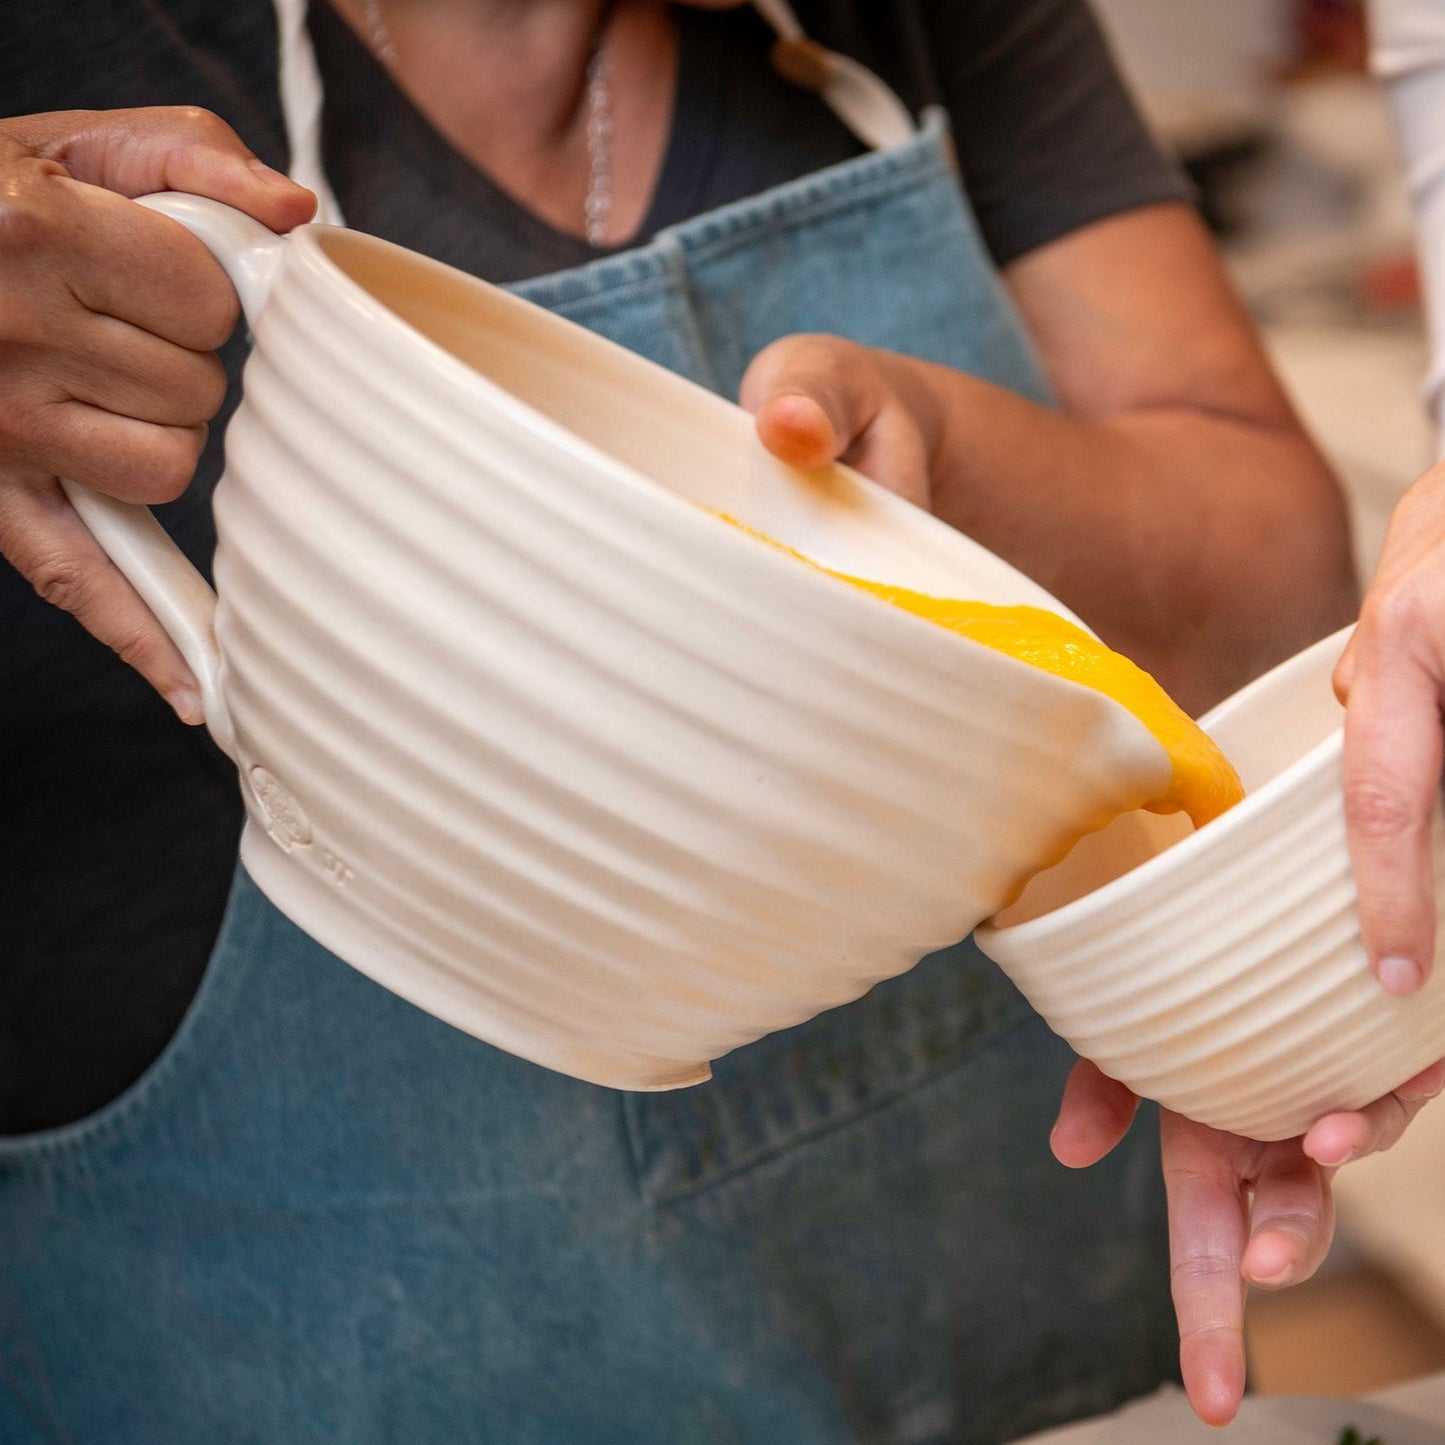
column 1408, row 55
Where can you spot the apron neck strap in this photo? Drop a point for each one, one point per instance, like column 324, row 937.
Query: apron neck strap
column 855, row 95
column 862, row 101
column 301, row 103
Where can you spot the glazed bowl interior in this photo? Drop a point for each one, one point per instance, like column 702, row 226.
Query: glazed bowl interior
column 1281, row 729
column 681, row 439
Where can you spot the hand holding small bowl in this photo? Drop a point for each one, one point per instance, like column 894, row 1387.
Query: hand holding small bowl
column 1224, row 974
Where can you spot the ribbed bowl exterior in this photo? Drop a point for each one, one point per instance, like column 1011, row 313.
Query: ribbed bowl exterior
column 1226, row 978
column 569, row 762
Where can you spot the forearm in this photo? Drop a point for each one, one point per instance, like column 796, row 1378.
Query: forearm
column 1171, row 499
column 1204, row 546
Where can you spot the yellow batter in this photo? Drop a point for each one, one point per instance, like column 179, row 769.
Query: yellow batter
column 1204, row 783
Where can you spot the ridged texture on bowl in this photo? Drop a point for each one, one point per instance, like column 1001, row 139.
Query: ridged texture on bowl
column 1231, row 984
column 574, row 765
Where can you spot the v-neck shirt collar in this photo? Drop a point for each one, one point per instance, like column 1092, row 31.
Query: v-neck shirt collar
column 396, row 176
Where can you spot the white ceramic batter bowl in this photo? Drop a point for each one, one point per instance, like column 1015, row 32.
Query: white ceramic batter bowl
column 530, row 738
column 1221, row 972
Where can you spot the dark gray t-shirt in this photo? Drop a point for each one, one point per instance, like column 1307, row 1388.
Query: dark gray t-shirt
column 1047, row 137
column 118, row 825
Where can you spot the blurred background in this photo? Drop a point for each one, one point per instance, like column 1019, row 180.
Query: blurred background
column 1268, row 105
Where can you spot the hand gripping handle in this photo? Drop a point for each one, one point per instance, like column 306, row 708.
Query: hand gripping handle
column 171, row 587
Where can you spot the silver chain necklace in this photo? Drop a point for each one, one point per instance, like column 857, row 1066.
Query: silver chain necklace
column 597, row 208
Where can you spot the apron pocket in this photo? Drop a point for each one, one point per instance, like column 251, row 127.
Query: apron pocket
column 190, row 1045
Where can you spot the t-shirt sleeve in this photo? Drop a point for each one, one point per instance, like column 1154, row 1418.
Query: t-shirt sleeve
column 1049, row 138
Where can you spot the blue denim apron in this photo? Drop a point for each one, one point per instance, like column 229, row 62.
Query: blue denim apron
column 325, row 1216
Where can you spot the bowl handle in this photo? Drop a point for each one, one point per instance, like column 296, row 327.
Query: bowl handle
column 171, row 587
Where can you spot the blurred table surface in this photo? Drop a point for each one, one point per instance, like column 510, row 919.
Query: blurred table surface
column 1423, row 1398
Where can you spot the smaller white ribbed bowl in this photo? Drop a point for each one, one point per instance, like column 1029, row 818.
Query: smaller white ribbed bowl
column 1221, row 972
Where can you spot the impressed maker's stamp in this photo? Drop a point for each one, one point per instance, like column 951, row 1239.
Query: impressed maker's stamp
column 285, row 818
